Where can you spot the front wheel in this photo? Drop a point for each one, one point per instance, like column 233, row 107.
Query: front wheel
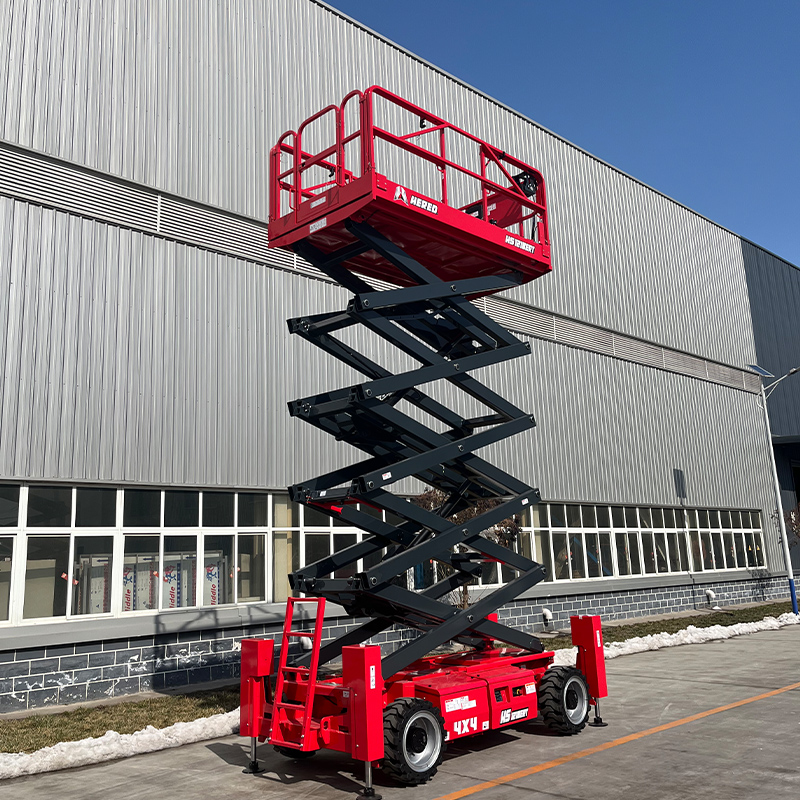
column 564, row 700
column 413, row 739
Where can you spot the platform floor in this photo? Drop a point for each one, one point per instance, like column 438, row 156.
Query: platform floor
column 748, row 751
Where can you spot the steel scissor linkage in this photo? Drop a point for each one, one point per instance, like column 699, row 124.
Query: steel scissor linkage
column 411, row 433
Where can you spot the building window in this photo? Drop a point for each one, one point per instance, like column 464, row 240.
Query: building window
column 9, row 506
column 6, row 554
column 645, row 541
column 91, row 575
column 96, row 508
column 250, row 542
column 218, row 508
column 49, row 507
column 254, row 512
column 218, row 569
column 142, row 508
column 181, row 509
column 140, row 573
column 179, row 572
column 251, row 566
column 46, row 577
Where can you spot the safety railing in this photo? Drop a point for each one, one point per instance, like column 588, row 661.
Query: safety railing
column 514, row 205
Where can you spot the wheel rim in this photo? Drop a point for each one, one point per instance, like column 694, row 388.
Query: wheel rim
column 422, row 741
column 576, row 700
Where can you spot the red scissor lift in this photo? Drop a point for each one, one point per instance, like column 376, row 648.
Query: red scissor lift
column 415, row 217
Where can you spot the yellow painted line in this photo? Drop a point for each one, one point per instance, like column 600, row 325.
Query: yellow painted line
column 557, row 762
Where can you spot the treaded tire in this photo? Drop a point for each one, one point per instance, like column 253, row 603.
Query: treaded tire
column 564, row 700
column 290, row 752
column 413, row 740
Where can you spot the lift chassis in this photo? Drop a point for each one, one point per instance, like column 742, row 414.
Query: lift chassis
column 416, row 264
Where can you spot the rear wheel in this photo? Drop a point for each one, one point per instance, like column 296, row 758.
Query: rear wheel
column 564, row 700
column 413, row 739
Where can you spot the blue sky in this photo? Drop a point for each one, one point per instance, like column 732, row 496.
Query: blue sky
column 699, row 99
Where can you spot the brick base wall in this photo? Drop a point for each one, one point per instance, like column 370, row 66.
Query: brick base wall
column 617, row 605
column 67, row 674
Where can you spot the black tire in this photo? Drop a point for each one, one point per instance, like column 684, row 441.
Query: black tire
column 290, row 752
column 564, row 700
column 413, row 740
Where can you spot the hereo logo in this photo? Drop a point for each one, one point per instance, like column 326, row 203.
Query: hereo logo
column 418, row 202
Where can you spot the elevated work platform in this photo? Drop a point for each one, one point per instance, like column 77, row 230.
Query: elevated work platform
column 461, row 206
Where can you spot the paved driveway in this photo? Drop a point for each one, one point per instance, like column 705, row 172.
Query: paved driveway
column 661, row 743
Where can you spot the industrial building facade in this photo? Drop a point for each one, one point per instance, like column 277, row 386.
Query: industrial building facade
column 145, row 445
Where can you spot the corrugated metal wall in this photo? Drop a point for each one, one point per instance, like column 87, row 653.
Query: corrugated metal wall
column 132, row 358
column 774, row 287
column 127, row 357
column 188, row 97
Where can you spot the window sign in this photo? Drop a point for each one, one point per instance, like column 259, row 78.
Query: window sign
column 218, row 570
column 140, row 576
column 179, row 572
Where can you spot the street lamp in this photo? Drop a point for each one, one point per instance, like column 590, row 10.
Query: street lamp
column 766, row 391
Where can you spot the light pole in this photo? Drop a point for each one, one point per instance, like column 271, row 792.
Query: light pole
column 766, row 391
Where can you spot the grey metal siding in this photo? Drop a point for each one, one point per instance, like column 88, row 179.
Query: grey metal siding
column 189, row 102
column 774, row 287
column 133, row 358
column 127, row 357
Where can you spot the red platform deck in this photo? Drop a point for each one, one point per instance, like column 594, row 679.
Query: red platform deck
column 457, row 204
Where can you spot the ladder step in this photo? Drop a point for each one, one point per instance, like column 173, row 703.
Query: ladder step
column 301, row 670
column 308, row 634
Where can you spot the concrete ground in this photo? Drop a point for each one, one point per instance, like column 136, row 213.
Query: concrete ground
column 747, row 751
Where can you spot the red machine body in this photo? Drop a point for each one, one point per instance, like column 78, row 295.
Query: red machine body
column 474, row 690
column 482, row 211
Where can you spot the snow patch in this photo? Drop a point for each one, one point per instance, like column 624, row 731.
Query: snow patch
column 690, row 635
column 114, row 745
